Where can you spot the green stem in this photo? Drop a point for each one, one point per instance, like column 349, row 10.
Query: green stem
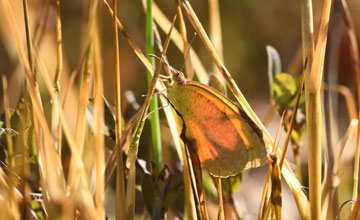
column 28, row 36
column 154, row 122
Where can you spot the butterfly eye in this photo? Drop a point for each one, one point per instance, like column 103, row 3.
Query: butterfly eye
column 179, row 77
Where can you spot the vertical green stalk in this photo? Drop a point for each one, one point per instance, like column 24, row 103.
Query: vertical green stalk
column 154, row 122
column 28, row 36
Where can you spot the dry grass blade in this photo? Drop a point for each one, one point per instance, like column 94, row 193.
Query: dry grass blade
column 125, row 142
column 55, row 121
column 307, row 32
column 274, row 204
column 99, row 124
column 121, row 210
column 59, row 64
column 315, row 76
column 132, row 43
column 349, row 98
column 349, row 133
column 355, row 213
column 264, row 204
column 52, row 178
column 330, row 184
column 221, row 214
column 276, row 193
column 265, row 194
column 80, row 128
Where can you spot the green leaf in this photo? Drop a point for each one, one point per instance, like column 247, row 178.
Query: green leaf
column 285, row 89
column 274, row 66
column 231, row 184
column 31, row 140
column 37, row 208
column 149, row 192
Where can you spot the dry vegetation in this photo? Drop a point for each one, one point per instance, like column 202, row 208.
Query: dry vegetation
column 66, row 153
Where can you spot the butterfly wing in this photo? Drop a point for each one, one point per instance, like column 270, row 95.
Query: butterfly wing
column 223, row 136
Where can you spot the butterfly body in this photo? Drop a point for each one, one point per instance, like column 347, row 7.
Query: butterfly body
column 224, row 138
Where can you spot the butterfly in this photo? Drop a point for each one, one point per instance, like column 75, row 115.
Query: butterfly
column 223, row 136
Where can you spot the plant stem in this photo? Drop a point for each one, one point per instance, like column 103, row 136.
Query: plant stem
column 313, row 112
column 28, row 36
column 154, row 121
column 120, row 185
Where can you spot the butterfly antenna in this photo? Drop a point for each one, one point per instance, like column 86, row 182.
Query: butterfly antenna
column 157, row 93
column 188, row 51
column 157, row 109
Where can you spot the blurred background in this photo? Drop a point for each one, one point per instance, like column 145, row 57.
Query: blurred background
column 248, row 26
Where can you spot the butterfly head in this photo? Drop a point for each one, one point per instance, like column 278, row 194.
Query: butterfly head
column 178, row 77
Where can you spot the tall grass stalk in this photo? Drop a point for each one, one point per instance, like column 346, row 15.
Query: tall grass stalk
column 314, row 114
column 99, row 124
column 55, row 119
column 154, row 104
column 121, row 211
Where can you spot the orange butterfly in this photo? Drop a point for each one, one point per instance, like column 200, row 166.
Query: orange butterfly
column 224, row 137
